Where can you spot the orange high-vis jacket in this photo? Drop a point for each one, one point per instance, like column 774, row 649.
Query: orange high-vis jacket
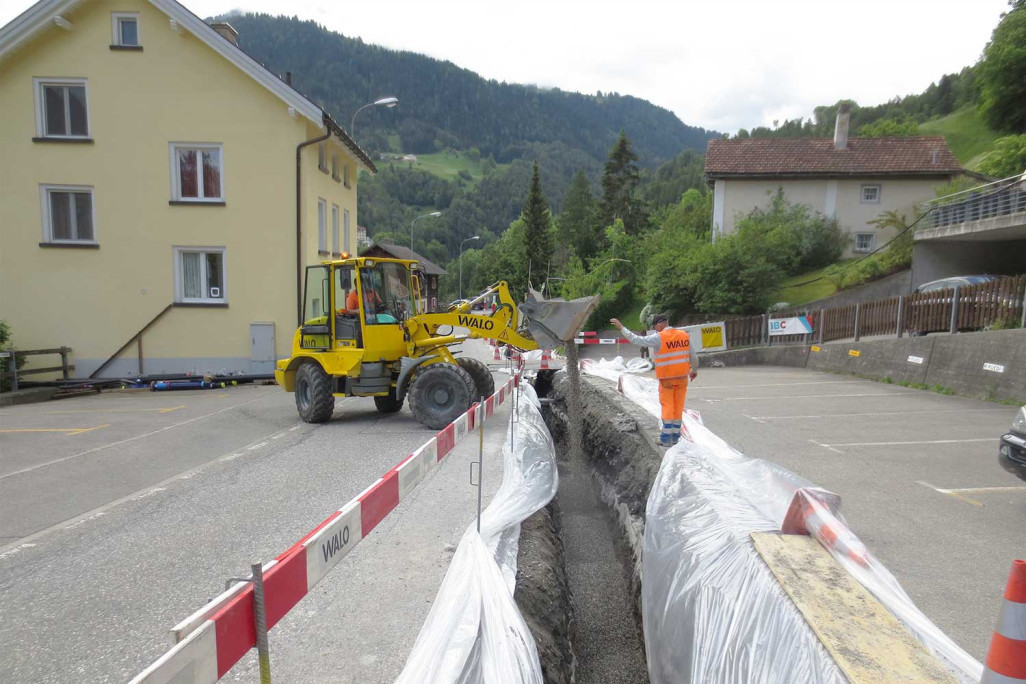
column 673, row 360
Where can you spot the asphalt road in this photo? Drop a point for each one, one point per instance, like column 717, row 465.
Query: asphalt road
column 917, row 473
column 124, row 512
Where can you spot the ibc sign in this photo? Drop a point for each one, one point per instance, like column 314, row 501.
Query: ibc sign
column 798, row 325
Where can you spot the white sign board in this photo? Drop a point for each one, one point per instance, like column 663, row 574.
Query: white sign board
column 915, row 359
column 707, row 337
column 796, row 325
column 996, row 368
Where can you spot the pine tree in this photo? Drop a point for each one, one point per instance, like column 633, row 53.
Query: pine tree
column 537, row 220
column 619, row 189
column 576, row 223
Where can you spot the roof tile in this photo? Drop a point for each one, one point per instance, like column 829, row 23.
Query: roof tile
column 923, row 155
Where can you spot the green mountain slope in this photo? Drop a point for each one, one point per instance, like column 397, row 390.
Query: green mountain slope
column 967, row 134
column 445, row 106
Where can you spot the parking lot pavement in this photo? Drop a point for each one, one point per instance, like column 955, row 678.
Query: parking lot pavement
column 151, row 522
column 917, row 472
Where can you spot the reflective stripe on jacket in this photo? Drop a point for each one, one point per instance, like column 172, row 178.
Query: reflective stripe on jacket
column 673, row 360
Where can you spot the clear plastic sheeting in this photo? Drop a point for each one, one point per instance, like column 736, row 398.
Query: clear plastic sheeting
column 712, row 610
column 474, row 632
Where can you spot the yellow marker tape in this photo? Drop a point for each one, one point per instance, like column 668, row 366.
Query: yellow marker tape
column 814, row 348
column 854, row 352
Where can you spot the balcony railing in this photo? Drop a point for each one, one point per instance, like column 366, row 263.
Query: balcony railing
column 1000, row 198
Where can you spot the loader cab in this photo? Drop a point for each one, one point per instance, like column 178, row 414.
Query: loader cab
column 358, row 304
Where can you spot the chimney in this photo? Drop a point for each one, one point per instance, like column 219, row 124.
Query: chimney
column 226, row 30
column 841, row 127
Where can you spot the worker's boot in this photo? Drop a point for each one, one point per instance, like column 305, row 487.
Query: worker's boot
column 666, row 435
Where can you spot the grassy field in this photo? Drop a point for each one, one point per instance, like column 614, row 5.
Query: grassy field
column 794, row 293
column 966, row 133
column 448, row 165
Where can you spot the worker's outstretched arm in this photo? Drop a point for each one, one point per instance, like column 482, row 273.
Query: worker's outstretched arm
column 652, row 340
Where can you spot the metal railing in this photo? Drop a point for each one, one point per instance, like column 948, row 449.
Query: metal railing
column 1000, row 198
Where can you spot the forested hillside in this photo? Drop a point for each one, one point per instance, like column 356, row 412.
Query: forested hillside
column 443, row 105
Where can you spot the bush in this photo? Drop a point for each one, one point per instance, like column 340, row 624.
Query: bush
column 5, row 363
column 1008, row 158
column 795, row 238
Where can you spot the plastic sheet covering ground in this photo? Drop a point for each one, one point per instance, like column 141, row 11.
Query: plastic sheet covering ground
column 712, row 611
column 474, row 632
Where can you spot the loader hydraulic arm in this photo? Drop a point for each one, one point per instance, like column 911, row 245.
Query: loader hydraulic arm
column 501, row 325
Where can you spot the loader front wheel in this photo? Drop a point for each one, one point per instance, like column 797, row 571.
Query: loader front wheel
column 389, row 404
column 440, row 393
column 484, row 383
column 313, row 394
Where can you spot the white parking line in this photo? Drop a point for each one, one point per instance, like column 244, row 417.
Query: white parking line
column 124, row 441
column 814, row 396
column 759, row 419
column 928, row 441
column 256, row 446
column 777, row 384
column 951, row 493
column 958, row 492
column 826, row 446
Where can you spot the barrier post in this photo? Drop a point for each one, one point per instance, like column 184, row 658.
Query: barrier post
column 260, row 617
column 954, row 311
column 480, row 466
column 64, row 361
column 764, row 332
column 14, row 371
column 857, row 310
column 901, row 315
column 822, row 324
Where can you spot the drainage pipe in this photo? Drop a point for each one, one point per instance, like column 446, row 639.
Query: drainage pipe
column 299, row 218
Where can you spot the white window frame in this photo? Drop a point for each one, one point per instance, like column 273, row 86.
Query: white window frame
column 115, row 26
column 176, row 190
column 322, row 225
column 37, row 84
column 179, row 276
column 872, row 243
column 345, row 230
column 862, row 193
column 44, row 199
column 335, row 248
column 345, row 175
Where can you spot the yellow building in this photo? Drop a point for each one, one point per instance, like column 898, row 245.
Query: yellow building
column 155, row 179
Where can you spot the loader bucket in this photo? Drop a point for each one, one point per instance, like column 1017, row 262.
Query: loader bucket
column 555, row 322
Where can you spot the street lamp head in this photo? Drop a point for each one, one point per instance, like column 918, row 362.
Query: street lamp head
column 387, row 101
column 476, row 237
column 435, row 214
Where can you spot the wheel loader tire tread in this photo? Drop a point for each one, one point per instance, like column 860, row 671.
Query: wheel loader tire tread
column 314, row 400
column 484, row 383
column 459, row 383
column 389, row 404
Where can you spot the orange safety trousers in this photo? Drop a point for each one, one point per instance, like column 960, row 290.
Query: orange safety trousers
column 672, row 392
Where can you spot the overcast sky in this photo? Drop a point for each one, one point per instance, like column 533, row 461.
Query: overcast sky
column 720, row 65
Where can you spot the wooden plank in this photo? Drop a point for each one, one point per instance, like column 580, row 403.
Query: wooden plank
column 866, row 641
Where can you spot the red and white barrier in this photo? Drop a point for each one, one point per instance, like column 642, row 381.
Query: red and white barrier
column 593, row 338
column 210, row 641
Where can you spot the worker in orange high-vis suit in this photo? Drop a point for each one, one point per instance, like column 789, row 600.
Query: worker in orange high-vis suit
column 674, row 367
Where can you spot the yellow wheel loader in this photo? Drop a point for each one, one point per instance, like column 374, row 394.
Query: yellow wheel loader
column 364, row 334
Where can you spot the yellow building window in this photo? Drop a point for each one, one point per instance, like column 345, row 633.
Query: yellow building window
column 200, row 275
column 196, row 172
column 68, row 215
column 62, row 108
column 125, row 30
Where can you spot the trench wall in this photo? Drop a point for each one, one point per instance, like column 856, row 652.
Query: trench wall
column 986, row 365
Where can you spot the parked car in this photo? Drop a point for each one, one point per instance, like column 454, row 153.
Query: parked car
column 935, row 324
column 1012, row 453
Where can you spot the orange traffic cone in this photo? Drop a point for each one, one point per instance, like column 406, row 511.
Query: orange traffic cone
column 545, row 359
column 813, row 511
column 1006, row 659
column 495, row 355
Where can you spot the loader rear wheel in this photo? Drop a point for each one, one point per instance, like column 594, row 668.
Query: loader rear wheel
column 440, row 393
column 313, row 394
column 389, row 404
column 484, row 383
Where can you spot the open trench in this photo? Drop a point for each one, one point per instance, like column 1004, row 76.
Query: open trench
column 578, row 582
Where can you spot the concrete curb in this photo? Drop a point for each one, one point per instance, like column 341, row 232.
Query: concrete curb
column 27, row 396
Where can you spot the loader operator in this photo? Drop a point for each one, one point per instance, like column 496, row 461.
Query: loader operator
column 371, row 302
column 674, row 367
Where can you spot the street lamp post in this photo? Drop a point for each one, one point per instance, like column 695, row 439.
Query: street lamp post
column 383, row 102
column 476, row 237
column 434, row 213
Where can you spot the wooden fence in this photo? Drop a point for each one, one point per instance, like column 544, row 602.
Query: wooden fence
column 978, row 307
column 13, row 355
